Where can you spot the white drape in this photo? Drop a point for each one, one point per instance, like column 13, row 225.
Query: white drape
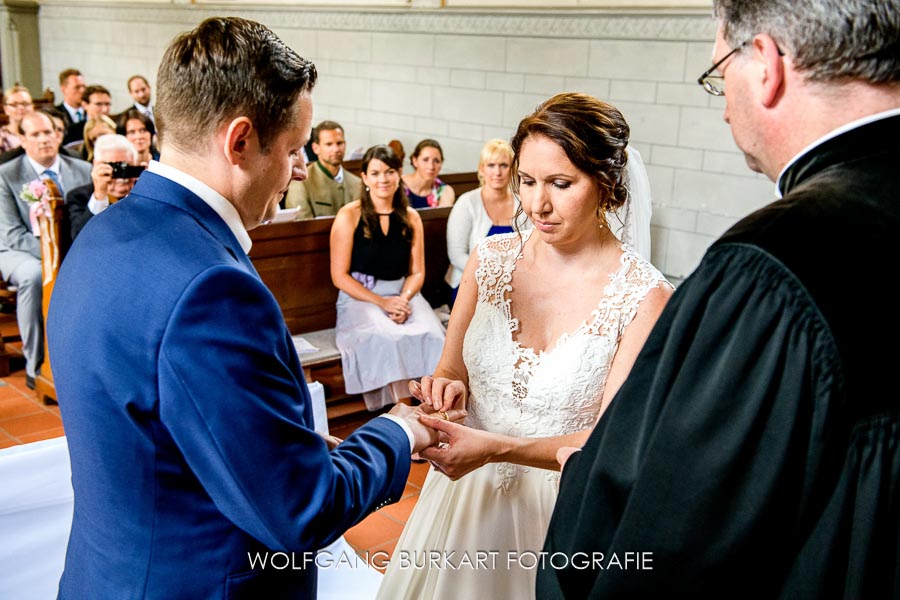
column 36, row 515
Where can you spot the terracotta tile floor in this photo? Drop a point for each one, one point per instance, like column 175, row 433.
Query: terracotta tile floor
column 23, row 419
column 380, row 531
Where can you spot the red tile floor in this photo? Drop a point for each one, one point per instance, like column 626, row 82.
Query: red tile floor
column 23, row 419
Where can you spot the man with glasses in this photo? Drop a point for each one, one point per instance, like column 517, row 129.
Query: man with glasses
column 755, row 448
column 20, row 250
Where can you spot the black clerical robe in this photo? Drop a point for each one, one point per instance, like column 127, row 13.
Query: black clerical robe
column 754, row 450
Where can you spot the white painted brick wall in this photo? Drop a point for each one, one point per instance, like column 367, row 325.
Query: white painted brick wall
column 463, row 78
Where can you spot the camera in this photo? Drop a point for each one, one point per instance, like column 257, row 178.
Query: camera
column 122, row 170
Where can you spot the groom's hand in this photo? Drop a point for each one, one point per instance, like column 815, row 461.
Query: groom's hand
column 424, row 436
column 463, row 450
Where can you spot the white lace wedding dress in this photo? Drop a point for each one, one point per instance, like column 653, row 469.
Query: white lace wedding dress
column 500, row 512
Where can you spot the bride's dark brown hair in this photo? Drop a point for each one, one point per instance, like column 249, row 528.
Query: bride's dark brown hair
column 592, row 133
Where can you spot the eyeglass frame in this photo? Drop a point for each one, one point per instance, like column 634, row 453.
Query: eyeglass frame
column 703, row 80
column 18, row 104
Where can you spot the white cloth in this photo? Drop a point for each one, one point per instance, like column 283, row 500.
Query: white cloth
column 513, row 391
column 631, row 222
column 467, row 225
column 376, row 352
column 36, row 503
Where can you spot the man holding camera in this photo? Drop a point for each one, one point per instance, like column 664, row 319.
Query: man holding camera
column 112, row 177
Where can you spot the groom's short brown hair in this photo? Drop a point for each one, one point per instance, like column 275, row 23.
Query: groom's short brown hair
column 225, row 68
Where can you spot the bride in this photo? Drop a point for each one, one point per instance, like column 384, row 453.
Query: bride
column 545, row 329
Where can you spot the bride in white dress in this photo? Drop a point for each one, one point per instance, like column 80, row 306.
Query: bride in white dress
column 545, row 328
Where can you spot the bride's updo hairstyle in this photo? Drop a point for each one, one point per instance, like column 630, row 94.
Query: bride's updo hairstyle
column 593, row 134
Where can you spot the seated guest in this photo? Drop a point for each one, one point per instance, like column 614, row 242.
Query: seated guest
column 93, row 129
column 59, row 130
column 20, row 250
column 139, row 89
column 16, row 104
column 386, row 331
column 70, row 110
column 482, row 212
column 422, row 187
column 93, row 198
column 139, row 129
column 96, row 103
column 328, row 186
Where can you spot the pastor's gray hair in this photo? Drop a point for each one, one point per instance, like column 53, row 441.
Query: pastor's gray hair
column 828, row 40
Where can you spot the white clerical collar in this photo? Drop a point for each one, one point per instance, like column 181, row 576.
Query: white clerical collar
column 214, row 199
column 39, row 168
column 833, row 134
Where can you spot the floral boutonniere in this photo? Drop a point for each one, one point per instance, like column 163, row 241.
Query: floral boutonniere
column 37, row 195
column 35, row 191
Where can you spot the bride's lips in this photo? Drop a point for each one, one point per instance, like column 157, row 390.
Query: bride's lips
column 544, row 225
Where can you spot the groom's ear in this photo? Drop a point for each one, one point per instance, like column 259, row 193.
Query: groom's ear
column 238, row 139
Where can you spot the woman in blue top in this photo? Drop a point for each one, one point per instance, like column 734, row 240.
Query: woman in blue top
column 422, row 187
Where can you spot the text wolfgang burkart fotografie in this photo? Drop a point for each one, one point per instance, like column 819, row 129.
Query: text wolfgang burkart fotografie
column 453, row 560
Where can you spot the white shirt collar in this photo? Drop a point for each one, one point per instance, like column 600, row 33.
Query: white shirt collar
column 39, row 168
column 72, row 110
column 340, row 175
column 832, row 134
column 214, row 199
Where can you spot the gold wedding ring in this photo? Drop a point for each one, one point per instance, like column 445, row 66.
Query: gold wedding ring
column 444, row 415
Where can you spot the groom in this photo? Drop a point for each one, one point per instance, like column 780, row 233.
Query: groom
column 754, row 450
column 188, row 420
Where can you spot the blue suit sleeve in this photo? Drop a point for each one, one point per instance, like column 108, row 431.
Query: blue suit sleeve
column 234, row 400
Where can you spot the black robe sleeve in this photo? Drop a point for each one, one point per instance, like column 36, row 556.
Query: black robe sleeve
column 709, row 449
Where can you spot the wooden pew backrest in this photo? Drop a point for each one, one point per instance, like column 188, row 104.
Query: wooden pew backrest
column 294, row 261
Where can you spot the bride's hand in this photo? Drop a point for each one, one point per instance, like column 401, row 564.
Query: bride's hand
column 462, row 450
column 440, row 393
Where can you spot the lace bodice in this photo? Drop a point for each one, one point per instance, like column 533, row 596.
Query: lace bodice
column 517, row 391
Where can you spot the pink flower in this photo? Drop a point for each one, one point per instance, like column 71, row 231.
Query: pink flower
column 35, row 191
column 38, row 189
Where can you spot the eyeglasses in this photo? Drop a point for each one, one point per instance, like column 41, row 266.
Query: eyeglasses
column 715, row 84
column 19, row 104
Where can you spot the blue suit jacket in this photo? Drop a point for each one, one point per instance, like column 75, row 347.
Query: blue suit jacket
column 188, row 420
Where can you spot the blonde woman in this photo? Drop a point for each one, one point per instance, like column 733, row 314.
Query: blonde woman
column 483, row 212
column 94, row 128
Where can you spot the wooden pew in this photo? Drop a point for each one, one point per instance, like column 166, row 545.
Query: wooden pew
column 52, row 252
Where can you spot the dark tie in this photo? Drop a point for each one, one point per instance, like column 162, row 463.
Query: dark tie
column 79, row 115
column 51, row 174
